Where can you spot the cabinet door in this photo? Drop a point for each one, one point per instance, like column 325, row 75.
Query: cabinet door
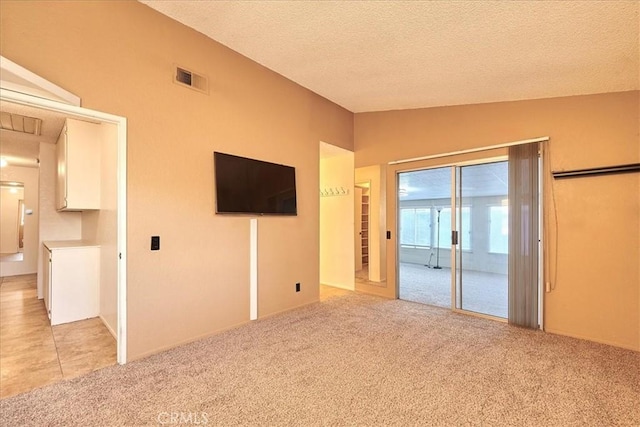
column 79, row 168
column 75, row 284
column 46, row 280
column 83, row 165
column 61, row 184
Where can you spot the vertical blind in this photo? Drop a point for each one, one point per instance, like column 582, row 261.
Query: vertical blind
column 523, row 235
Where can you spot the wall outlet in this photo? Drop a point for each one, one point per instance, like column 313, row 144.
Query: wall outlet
column 155, row 243
column 297, row 287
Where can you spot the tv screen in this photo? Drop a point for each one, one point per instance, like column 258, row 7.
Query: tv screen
column 248, row 186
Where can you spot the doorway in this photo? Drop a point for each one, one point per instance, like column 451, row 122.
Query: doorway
column 11, row 220
column 482, row 254
column 336, row 216
column 424, row 245
column 362, row 210
column 116, row 273
column 453, row 237
column 20, row 225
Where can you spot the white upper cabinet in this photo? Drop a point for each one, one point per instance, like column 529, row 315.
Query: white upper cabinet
column 78, row 149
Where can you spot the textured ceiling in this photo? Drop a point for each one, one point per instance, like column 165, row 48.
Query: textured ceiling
column 19, row 148
column 385, row 55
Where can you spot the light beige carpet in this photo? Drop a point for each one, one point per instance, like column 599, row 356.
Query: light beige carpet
column 354, row 360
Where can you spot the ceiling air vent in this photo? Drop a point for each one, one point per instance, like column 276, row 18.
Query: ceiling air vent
column 188, row 78
column 18, row 123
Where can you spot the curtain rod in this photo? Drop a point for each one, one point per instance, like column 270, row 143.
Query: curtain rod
column 472, row 150
column 606, row 170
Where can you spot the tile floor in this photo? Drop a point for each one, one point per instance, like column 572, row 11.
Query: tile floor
column 33, row 353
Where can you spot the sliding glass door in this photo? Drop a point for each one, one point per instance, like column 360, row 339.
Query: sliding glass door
column 483, row 238
column 424, row 252
column 453, row 229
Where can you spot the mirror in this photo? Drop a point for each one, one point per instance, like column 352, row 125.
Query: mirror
column 11, row 221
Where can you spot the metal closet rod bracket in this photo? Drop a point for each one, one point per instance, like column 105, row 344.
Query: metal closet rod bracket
column 606, row 170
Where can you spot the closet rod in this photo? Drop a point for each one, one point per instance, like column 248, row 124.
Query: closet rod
column 607, row 170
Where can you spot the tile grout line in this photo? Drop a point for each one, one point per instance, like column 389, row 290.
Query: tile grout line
column 55, row 343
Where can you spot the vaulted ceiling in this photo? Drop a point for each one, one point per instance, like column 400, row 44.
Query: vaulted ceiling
column 386, row 55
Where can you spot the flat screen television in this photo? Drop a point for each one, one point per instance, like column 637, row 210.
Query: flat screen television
column 249, row 186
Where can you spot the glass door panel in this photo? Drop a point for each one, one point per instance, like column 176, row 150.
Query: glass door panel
column 424, row 230
column 482, row 250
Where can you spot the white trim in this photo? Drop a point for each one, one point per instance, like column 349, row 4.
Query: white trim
column 121, row 123
column 454, row 262
column 253, row 269
column 48, row 104
column 26, row 82
column 472, row 150
column 122, row 240
column 106, row 325
column 541, row 240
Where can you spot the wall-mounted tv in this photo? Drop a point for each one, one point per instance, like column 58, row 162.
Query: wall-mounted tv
column 249, row 186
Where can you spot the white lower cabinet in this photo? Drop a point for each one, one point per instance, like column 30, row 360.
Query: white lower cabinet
column 71, row 280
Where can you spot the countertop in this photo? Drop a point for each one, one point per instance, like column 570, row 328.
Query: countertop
column 69, row 244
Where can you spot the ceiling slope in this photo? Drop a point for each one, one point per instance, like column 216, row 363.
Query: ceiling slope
column 386, row 55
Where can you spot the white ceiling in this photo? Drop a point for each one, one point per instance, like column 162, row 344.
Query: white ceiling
column 434, row 185
column 386, row 55
column 22, row 149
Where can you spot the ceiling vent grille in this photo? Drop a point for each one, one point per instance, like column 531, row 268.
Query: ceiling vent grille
column 18, row 123
column 185, row 77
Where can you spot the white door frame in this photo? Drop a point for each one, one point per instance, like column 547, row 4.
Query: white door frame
column 121, row 124
column 454, row 165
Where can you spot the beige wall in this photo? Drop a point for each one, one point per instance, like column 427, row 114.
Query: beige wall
column 337, row 260
column 101, row 226
column 29, row 264
column 595, row 273
column 118, row 57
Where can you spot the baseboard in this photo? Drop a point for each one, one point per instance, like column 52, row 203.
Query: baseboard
column 340, row 286
column 210, row 334
column 184, row 342
column 111, row 331
column 599, row 341
column 275, row 313
column 379, row 291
